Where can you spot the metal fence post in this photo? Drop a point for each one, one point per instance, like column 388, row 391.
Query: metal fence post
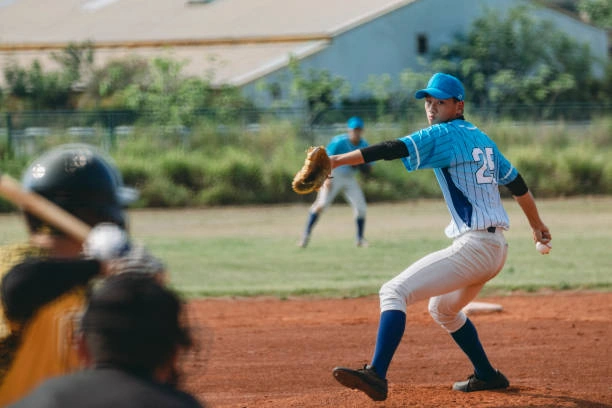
column 112, row 142
column 9, row 134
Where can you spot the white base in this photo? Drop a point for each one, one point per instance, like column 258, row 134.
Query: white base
column 482, row 307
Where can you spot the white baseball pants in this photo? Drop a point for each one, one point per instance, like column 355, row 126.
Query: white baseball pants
column 450, row 278
column 346, row 184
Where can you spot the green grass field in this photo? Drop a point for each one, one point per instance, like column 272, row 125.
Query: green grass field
column 242, row 251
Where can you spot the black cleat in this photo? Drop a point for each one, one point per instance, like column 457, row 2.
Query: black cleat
column 474, row 384
column 364, row 379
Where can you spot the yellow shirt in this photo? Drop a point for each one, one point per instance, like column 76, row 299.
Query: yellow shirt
column 10, row 256
column 41, row 347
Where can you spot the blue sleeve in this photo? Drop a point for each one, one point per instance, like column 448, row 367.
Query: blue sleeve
column 507, row 172
column 429, row 148
column 334, row 146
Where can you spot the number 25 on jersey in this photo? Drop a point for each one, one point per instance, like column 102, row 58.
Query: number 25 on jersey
column 485, row 172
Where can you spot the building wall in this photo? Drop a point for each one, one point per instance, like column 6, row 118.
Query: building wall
column 596, row 38
column 389, row 44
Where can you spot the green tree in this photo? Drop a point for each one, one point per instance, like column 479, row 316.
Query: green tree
column 409, row 82
column 107, row 82
column 518, row 59
column 381, row 88
column 167, row 97
column 33, row 88
column 317, row 88
column 598, row 12
column 16, row 80
column 76, row 62
column 164, row 95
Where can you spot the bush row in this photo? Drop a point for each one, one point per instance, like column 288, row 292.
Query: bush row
column 555, row 159
column 244, row 168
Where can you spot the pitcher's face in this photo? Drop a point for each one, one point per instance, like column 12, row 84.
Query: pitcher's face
column 442, row 110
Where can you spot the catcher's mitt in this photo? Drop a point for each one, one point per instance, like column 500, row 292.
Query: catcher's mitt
column 314, row 172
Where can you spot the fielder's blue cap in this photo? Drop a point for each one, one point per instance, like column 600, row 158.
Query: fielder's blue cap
column 355, row 123
column 442, row 86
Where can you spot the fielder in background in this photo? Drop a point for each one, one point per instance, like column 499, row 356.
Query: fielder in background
column 131, row 334
column 469, row 168
column 44, row 281
column 343, row 180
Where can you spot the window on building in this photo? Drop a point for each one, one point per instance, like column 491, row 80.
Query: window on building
column 275, row 90
column 422, row 44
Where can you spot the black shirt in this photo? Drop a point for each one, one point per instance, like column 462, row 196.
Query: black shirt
column 106, row 387
column 37, row 281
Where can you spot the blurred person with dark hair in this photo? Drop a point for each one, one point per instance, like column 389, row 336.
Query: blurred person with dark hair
column 44, row 281
column 131, row 335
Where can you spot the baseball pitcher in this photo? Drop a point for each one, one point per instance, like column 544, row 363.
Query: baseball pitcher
column 469, row 168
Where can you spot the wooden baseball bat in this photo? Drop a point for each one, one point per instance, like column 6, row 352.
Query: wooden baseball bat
column 44, row 209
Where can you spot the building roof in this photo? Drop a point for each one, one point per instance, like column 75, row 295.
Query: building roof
column 235, row 65
column 239, row 40
column 26, row 21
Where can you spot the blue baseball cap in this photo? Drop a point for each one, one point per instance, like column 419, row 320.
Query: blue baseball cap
column 442, row 86
column 355, row 123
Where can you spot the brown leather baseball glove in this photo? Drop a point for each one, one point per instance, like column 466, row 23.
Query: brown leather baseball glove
column 314, row 172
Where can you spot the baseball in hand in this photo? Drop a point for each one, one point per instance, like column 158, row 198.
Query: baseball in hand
column 543, row 248
column 106, row 241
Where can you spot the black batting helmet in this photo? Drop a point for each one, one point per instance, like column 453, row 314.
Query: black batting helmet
column 78, row 178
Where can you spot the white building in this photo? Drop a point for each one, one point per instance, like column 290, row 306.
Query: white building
column 241, row 42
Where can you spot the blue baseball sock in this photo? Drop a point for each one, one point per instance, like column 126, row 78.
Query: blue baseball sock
column 312, row 219
column 467, row 338
column 360, row 225
column 390, row 331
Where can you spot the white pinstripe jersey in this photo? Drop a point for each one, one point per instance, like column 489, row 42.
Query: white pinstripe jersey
column 469, row 167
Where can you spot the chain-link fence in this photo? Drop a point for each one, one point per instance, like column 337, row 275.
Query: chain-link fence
column 27, row 133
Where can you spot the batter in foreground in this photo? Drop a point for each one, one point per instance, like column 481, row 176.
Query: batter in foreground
column 469, row 167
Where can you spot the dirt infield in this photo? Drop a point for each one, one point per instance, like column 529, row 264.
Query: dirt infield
column 555, row 348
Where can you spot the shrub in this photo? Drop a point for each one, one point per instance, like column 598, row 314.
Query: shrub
column 585, row 172
column 607, row 178
column 136, row 173
column 183, row 170
column 235, row 170
column 537, row 167
column 255, row 165
column 161, row 192
column 220, row 194
column 277, row 184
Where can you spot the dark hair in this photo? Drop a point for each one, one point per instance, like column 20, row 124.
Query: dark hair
column 134, row 322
